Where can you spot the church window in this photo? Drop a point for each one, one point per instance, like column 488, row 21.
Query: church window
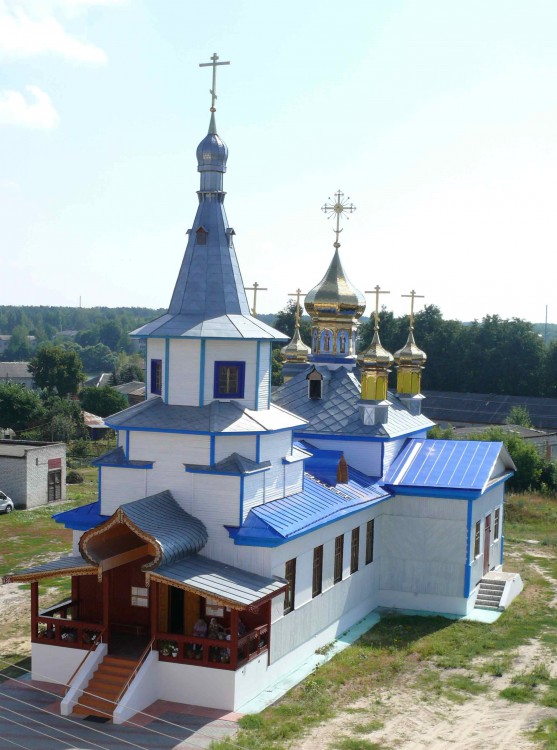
column 355, row 550
column 477, row 538
column 140, row 597
column 317, row 580
column 315, row 380
column 370, row 529
column 290, row 575
column 229, row 379
column 156, row 376
column 201, row 236
column 339, row 554
column 496, row 524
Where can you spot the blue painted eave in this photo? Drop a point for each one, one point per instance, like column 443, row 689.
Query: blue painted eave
column 83, row 518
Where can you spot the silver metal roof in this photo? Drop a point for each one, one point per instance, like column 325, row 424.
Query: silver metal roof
column 52, row 568
column 218, row 416
column 233, row 464
column 223, row 582
column 337, row 411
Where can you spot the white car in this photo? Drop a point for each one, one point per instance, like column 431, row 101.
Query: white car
column 6, row 503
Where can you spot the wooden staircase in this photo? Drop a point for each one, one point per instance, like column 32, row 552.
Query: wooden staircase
column 104, row 687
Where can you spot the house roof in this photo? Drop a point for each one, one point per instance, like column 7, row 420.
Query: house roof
column 15, row 370
column 230, row 586
column 233, row 464
column 227, row 326
column 134, row 386
column 66, row 565
column 316, row 505
column 487, row 408
column 337, row 413
column 94, row 422
column 227, row 417
column 97, row 381
column 448, row 465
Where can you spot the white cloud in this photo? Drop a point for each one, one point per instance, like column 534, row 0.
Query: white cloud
column 35, row 112
column 29, row 29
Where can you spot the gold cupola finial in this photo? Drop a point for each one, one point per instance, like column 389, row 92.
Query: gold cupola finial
column 375, row 361
column 410, row 360
column 296, row 351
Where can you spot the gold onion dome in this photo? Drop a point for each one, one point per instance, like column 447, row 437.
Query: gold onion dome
column 376, row 355
column 410, row 354
column 335, row 295
column 296, row 350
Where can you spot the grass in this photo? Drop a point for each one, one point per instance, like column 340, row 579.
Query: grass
column 370, row 726
column 546, row 734
column 354, row 743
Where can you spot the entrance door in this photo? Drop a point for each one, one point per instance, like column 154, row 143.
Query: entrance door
column 176, row 611
column 487, row 542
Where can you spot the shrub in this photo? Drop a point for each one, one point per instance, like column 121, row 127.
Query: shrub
column 74, row 477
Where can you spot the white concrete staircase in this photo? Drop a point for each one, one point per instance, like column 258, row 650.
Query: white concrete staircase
column 497, row 590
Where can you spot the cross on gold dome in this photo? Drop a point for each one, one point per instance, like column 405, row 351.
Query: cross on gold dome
column 213, row 90
column 338, row 208
column 412, row 296
column 255, row 288
column 377, row 291
column 298, row 293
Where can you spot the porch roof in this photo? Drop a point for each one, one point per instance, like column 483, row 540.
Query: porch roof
column 69, row 565
column 232, row 587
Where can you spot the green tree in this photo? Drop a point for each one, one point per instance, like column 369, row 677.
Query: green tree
column 128, row 372
column 64, row 419
column 19, row 348
column 57, row 370
column 519, row 415
column 98, row 358
column 102, row 401
column 286, row 320
column 276, row 367
column 20, row 408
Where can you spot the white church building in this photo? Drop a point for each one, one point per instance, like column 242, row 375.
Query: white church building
column 236, row 531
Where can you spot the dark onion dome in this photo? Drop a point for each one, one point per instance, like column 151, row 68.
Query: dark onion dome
column 410, row 354
column 212, row 154
column 335, row 295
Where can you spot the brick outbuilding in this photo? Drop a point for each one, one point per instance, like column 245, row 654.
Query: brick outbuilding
column 33, row 473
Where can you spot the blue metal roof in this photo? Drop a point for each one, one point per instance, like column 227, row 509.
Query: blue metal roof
column 317, row 505
column 83, row 518
column 446, row 464
column 337, row 412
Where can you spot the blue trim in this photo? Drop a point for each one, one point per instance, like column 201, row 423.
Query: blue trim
column 340, row 436
column 270, row 375
column 239, row 392
column 146, row 465
column 339, row 358
column 449, row 494
column 468, row 563
column 166, row 368
column 127, row 449
column 196, row 432
column 193, row 470
column 259, row 541
column 382, row 464
column 241, row 499
column 202, row 374
column 99, row 488
column 258, row 449
column 212, row 450
column 257, row 363
column 155, row 365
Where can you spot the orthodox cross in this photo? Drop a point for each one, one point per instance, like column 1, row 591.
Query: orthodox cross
column 337, row 209
column 255, row 288
column 377, row 291
column 412, row 296
column 298, row 293
column 213, row 64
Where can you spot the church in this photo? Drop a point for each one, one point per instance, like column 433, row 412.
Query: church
column 238, row 530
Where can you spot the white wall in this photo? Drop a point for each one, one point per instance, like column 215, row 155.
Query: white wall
column 254, row 491
column 264, row 375
column 54, row 663
column 366, row 457
column 275, row 445
column 227, row 444
column 481, row 507
column 119, row 486
column 216, row 502
column 391, row 449
column 183, row 374
column 293, row 478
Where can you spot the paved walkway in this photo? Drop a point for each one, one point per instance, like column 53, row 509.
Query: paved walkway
column 27, row 715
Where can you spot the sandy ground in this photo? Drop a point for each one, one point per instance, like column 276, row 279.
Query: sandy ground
column 411, row 722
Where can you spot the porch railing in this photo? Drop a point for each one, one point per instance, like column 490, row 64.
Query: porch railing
column 217, row 654
column 56, row 631
column 61, row 610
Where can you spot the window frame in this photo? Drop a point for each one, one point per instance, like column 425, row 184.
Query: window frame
column 478, row 540
column 370, row 539
column 317, row 572
column 355, row 551
column 290, row 593
column 339, row 559
column 239, row 392
column 139, row 597
column 156, row 377
column 496, row 524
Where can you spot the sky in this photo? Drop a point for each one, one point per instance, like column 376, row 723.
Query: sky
column 437, row 118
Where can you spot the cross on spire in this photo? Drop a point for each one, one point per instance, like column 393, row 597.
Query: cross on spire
column 338, row 208
column 255, row 288
column 213, row 90
column 298, row 293
column 412, row 296
column 377, row 291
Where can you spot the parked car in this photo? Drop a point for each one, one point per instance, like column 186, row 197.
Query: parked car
column 6, row 503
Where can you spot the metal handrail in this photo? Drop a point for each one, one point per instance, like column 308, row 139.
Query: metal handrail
column 137, row 666
column 94, row 643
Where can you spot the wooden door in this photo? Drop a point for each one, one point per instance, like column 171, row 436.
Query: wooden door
column 487, row 542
